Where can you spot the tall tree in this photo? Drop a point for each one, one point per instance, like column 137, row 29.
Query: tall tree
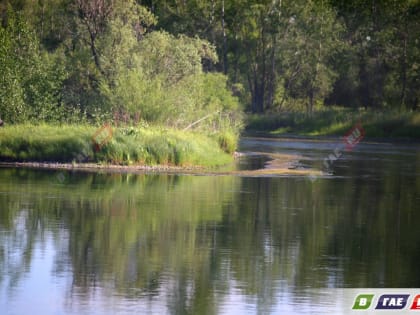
column 285, row 48
column 94, row 15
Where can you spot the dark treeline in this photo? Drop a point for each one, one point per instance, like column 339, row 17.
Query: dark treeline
column 291, row 53
column 174, row 61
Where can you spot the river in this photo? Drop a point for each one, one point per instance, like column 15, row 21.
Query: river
column 97, row 243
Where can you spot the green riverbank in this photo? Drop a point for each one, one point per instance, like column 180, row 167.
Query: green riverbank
column 336, row 122
column 120, row 146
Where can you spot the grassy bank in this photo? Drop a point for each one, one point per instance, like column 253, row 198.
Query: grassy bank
column 126, row 146
column 337, row 121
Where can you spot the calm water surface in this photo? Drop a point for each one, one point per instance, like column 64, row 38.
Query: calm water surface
column 183, row 244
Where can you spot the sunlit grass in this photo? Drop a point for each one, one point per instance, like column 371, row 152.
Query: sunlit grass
column 127, row 146
column 337, row 121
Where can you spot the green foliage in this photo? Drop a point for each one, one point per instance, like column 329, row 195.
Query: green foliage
column 293, row 52
column 174, row 58
column 164, row 82
column 31, row 80
column 108, row 63
column 96, row 60
column 381, row 62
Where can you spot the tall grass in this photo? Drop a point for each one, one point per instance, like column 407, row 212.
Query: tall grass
column 336, row 121
column 147, row 146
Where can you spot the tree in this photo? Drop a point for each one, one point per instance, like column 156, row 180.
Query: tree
column 285, row 48
column 383, row 50
column 162, row 79
column 30, row 80
column 315, row 39
column 94, row 15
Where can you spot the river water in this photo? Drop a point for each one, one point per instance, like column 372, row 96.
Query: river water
column 92, row 243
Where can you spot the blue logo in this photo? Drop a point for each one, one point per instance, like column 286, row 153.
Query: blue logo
column 392, row 301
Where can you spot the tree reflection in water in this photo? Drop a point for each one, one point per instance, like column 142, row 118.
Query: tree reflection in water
column 187, row 242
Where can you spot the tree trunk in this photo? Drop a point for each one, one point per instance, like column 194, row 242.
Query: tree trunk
column 257, row 94
column 225, row 61
column 272, row 79
column 94, row 52
column 364, row 85
column 404, row 70
column 310, row 105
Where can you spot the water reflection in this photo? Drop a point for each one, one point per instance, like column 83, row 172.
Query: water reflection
column 204, row 244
